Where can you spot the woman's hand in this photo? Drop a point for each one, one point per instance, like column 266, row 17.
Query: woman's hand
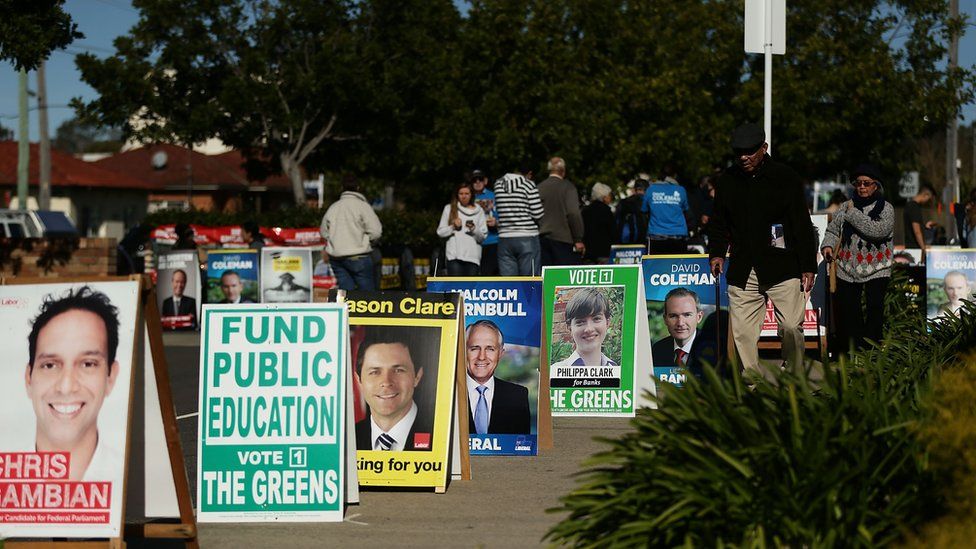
column 457, row 223
column 828, row 253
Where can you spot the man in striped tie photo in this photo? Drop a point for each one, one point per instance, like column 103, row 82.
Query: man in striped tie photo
column 388, row 378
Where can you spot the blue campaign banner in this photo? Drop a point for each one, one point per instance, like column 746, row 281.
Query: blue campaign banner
column 951, row 280
column 513, row 308
column 244, row 288
column 663, row 273
column 690, row 323
column 627, row 254
column 502, row 445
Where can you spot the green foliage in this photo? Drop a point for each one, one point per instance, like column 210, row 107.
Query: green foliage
column 412, row 92
column 948, row 432
column 30, row 31
column 74, row 136
column 798, row 464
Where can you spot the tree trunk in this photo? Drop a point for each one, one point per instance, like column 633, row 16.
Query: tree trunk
column 290, row 166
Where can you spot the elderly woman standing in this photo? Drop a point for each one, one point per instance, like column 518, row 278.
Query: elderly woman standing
column 599, row 225
column 861, row 232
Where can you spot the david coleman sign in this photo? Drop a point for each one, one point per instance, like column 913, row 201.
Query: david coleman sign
column 272, row 387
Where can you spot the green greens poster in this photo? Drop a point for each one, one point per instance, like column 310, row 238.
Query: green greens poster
column 598, row 350
column 272, row 423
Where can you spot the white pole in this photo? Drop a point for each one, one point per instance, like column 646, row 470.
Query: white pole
column 768, row 75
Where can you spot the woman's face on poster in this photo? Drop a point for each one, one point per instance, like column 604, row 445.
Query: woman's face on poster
column 589, row 332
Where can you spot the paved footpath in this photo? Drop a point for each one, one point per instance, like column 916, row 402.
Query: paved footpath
column 504, row 505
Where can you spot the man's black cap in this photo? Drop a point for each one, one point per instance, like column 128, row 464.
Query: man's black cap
column 748, row 137
column 477, row 174
column 868, row 169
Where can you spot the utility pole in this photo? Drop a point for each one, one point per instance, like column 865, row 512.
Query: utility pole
column 952, row 132
column 44, row 146
column 23, row 142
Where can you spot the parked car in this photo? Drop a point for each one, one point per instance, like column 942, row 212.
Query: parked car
column 35, row 224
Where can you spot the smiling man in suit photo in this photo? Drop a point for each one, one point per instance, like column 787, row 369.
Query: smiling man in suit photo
column 496, row 406
column 389, row 378
column 684, row 344
column 179, row 304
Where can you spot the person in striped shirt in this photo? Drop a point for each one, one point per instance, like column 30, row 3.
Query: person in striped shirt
column 519, row 212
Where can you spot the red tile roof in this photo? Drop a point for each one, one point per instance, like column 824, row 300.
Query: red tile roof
column 66, row 171
column 220, row 171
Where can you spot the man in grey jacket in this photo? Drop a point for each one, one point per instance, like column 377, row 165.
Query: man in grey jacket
column 561, row 229
column 350, row 227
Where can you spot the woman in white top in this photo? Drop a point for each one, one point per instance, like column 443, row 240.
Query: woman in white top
column 463, row 225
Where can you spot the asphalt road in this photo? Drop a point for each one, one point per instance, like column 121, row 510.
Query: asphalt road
column 504, row 505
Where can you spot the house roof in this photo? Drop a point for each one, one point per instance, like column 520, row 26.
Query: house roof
column 66, row 170
column 167, row 166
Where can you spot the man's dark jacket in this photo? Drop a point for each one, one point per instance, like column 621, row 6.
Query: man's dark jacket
column 630, row 216
column 746, row 207
column 509, row 410
column 188, row 306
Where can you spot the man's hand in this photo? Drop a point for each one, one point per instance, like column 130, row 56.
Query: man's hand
column 931, row 224
column 807, row 282
column 491, row 222
column 828, row 253
column 579, row 248
column 718, row 265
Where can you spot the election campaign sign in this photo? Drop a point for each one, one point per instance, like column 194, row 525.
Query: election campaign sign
column 951, row 279
column 598, row 352
column 687, row 327
column 627, row 254
column 404, row 361
column 502, row 339
column 286, row 275
column 178, row 290
column 816, row 298
column 272, row 413
column 65, row 399
column 232, row 276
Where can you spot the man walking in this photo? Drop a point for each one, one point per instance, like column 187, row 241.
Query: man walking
column 773, row 247
column 519, row 212
column 561, row 229
column 349, row 227
column 915, row 223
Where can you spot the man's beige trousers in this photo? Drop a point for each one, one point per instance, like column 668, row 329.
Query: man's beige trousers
column 747, row 308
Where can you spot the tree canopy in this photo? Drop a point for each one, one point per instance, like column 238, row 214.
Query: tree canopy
column 30, row 31
column 74, row 136
column 416, row 92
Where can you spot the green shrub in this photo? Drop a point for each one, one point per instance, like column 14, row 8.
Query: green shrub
column 948, row 432
column 837, row 464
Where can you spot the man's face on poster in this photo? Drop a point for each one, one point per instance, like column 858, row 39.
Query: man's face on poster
column 956, row 288
column 230, row 284
column 70, row 379
column 484, row 350
column 388, row 378
column 681, row 316
column 179, row 283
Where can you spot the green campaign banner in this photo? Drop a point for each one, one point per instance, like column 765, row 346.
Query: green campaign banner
column 272, row 413
column 598, row 351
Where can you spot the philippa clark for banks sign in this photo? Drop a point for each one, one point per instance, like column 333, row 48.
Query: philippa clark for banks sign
column 272, row 411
